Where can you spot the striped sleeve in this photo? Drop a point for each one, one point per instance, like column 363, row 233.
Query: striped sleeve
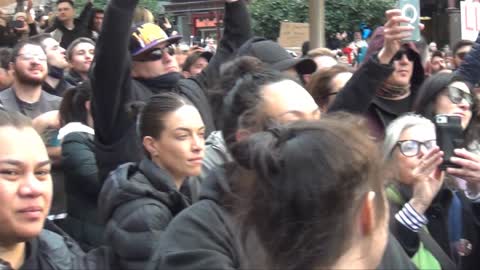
column 411, row 218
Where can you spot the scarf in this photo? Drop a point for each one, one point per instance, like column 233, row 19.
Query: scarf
column 163, row 82
column 390, row 91
column 55, row 72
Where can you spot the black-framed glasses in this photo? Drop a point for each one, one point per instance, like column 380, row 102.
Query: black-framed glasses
column 456, row 95
column 398, row 56
column 155, row 54
column 411, row 148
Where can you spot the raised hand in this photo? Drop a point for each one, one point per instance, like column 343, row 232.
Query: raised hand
column 470, row 166
column 428, row 179
column 394, row 32
column 29, row 5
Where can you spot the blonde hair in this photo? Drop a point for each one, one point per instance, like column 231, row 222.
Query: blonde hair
column 142, row 15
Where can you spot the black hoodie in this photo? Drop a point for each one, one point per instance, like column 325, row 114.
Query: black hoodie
column 383, row 111
column 138, row 202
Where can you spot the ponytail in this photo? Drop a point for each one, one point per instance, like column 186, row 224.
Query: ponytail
column 72, row 108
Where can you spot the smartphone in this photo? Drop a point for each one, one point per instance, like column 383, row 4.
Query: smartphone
column 17, row 24
column 411, row 9
column 449, row 132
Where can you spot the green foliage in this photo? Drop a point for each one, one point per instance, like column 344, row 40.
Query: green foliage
column 340, row 15
column 267, row 15
column 151, row 5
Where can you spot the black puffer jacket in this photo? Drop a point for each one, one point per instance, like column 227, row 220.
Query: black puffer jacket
column 207, row 236
column 113, row 88
column 82, row 187
column 138, row 202
column 203, row 236
column 52, row 249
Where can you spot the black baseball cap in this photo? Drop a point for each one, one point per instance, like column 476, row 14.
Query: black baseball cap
column 276, row 56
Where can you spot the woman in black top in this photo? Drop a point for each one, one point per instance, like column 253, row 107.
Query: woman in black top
column 82, row 185
column 26, row 240
column 138, row 200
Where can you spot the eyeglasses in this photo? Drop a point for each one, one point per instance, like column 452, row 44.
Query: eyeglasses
column 411, row 148
column 456, row 96
column 29, row 57
column 155, row 54
column 399, row 55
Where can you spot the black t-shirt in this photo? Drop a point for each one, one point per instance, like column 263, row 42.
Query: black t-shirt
column 31, row 110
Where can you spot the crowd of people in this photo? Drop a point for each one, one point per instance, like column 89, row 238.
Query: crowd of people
column 124, row 148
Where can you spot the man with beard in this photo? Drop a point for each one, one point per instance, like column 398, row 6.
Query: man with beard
column 66, row 27
column 29, row 66
column 55, row 83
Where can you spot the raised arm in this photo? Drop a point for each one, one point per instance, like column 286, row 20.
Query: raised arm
column 237, row 30
column 358, row 93
column 85, row 15
column 469, row 70
column 110, row 74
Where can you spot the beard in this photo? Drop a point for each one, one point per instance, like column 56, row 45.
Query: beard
column 23, row 78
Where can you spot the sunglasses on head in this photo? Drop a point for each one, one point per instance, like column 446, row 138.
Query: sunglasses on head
column 456, row 95
column 399, row 55
column 155, row 54
column 411, row 148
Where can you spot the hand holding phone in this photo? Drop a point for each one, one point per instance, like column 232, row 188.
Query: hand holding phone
column 411, row 9
column 449, row 132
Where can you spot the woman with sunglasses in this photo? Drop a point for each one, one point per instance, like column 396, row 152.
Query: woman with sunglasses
column 447, row 94
column 421, row 205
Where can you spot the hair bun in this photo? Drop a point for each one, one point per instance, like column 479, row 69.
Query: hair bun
column 260, row 152
column 232, row 71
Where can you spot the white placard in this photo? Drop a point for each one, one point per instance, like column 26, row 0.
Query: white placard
column 470, row 13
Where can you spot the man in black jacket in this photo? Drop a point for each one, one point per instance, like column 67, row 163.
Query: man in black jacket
column 133, row 67
column 67, row 28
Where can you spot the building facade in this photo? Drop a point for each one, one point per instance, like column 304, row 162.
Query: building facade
column 442, row 21
column 197, row 19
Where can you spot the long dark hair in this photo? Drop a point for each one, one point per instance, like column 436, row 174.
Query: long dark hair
column 72, row 108
column 307, row 182
column 427, row 95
